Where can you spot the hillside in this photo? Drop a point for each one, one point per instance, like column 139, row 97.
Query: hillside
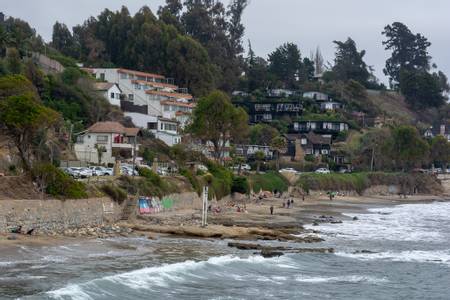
column 392, row 105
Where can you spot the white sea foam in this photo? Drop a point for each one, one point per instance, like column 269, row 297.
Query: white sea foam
column 161, row 276
column 440, row 257
column 349, row 279
column 411, row 222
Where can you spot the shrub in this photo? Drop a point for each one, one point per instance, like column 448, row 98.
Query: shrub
column 57, row 183
column 270, row 181
column 195, row 182
column 116, row 193
column 221, row 181
column 240, row 185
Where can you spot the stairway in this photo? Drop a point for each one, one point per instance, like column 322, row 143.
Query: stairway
column 129, row 209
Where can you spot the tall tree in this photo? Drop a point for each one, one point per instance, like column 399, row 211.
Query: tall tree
column 319, row 64
column 409, row 51
column 215, row 120
column 285, row 64
column 440, row 151
column 256, row 71
column 171, row 13
column 23, row 118
column 62, row 40
column 278, row 145
column 421, row 89
column 349, row 62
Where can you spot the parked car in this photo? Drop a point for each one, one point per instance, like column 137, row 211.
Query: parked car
column 128, row 171
column 162, row 171
column 244, row 167
column 289, row 170
column 74, row 172
column 344, row 170
column 101, row 171
column 323, row 171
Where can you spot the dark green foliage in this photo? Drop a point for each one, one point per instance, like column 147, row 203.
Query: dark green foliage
column 221, row 181
column 240, row 185
column 262, row 134
column 193, row 179
column 269, row 181
column 57, row 183
column 409, row 51
column 349, row 63
column 440, row 151
column 285, row 64
column 116, row 193
column 421, row 89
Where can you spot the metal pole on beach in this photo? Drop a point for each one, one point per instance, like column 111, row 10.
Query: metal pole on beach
column 205, row 207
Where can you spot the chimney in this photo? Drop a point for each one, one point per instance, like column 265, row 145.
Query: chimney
column 442, row 131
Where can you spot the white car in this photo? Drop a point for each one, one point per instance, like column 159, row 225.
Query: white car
column 323, row 171
column 244, row 167
column 289, row 170
column 128, row 171
column 81, row 172
column 101, row 171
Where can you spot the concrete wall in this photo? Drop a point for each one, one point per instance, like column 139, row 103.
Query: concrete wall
column 57, row 215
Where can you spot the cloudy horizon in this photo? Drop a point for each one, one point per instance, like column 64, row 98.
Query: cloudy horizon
column 271, row 23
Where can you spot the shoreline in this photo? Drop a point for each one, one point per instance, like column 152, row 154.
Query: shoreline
column 254, row 225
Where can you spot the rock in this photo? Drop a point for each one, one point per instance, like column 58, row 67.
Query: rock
column 336, row 222
column 315, row 224
column 355, row 219
column 11, row 237
column 242, row 246
column 363, row 252
column 267, row 253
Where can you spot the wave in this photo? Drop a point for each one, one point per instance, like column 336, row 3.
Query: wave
column 349, row 279
column 440, row 257
column 409, row 222
column 152, row 277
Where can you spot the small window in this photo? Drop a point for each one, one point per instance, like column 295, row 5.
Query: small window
column 153, row 126
column 131, row 97
column 304, row 141
column 112, row 95
column 123, row 76
column 102, row 139
column 102, row 76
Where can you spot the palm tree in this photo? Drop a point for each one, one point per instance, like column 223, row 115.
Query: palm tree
column 100, row 151
column 259, row 156
column 278, row 145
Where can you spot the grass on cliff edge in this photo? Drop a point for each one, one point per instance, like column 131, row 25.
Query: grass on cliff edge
column 408, row 182
column 269, row 181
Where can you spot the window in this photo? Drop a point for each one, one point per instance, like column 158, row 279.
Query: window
column 324, row 151
column 130, row 97
column 166, row 108
column 112, row 95
column 304, row 141
column 137, row 86
column 123, row 76
column 102, row 139
column 102, row 76
column 152, row 126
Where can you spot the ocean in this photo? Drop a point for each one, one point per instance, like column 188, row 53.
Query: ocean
column 395, row 252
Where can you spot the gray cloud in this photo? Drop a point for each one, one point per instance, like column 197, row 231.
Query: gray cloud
column 270, row 23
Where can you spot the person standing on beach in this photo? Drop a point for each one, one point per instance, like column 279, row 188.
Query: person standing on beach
column 271, row 210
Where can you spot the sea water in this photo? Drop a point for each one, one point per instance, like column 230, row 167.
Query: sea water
column 406, row 256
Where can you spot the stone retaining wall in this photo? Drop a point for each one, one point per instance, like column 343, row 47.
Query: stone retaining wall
column 57, row 215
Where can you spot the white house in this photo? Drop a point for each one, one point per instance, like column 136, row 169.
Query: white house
column 164, row 129
column 318, row 96
column 110, row 91
column 116, row 141
column 330, row 105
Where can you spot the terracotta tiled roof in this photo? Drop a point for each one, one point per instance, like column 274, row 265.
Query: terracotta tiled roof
column 176, row 103
column 156, row 84
column 112, row 127
column 139, row 73
column 170, row 95
column 132, row 131
column 103, row 86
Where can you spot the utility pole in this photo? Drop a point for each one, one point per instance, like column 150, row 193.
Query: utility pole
column 205, row 207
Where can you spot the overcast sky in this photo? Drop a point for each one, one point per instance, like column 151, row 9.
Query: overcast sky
column 269, row 23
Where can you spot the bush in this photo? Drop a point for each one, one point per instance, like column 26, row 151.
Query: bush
column 195, row 182
column 270, row 181
column 221, row 181
column 240, row 185
column 116, row 193
column 57, row 183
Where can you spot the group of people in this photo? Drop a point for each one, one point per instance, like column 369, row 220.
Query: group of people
column 289, row 203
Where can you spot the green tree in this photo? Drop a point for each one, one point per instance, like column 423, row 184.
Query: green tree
column 217, row 121
column 23, row 118
column 373, row 148
column 421, row 89
column 440, row 151
column 262, row 134
column 13, row 61
column 349, row 63
column 63, row 41
column 278, row 145
column 256, row 71
column 285, row 64
column 409, row 51
column 259, row 157
column 407, row 148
